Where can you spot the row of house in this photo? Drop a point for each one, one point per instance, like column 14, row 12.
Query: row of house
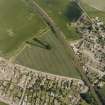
column 20, row 85
column 91, row 48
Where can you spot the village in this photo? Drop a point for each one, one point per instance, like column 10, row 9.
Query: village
column 91, row 48
column 20, row 85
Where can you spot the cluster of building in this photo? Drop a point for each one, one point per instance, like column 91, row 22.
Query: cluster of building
column 91, row 48
column 20, row 85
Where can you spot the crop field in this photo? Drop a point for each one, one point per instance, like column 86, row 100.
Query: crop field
column 93, row 12
column 62, row 12
column 54, row 60
column 17, row 24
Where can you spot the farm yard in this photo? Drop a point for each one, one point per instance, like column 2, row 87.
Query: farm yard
column 54, row 60
column 63, row 12
column 17, row 24
column 20, row 24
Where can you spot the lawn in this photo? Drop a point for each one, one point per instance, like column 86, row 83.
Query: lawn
column 63, row 12
column 55, row 60
column 17, row 24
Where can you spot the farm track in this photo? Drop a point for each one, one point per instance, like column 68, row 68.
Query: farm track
column 59, row 34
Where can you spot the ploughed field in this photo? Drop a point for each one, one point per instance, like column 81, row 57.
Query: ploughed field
column 53, row 59
column 17, row 24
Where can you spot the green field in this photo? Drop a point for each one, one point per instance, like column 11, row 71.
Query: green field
column 55, row 60
column 62, row 12
column 17, row 24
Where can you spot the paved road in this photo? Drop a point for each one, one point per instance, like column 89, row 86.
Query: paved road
column 59, row 34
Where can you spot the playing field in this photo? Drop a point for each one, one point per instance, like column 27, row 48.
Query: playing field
column 62, row 12
column 17, row 24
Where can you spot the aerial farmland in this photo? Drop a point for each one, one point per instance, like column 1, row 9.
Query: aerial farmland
column 52, row 52
column 17, row 24
column 54, row 60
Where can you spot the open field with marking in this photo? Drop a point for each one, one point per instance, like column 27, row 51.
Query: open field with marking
column 17, row 24
column 54, row 60
column 25, row 37
column 62, row 12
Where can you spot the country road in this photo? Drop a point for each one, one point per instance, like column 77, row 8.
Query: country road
column 60, row 35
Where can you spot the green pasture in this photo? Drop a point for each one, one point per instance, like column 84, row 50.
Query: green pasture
column 55, row 60
column 63, row 12
column 17, row 24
